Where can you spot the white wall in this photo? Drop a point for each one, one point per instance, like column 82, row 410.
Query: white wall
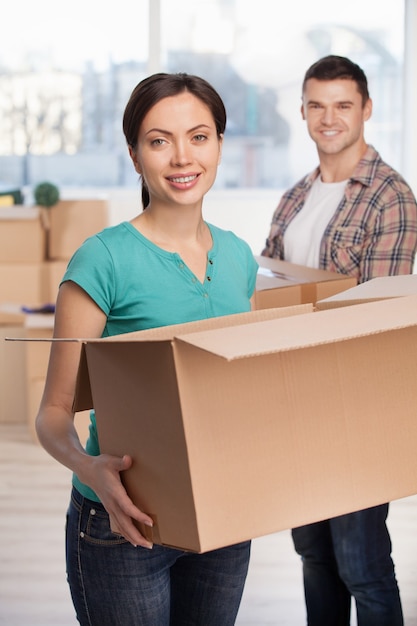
column 246, row 212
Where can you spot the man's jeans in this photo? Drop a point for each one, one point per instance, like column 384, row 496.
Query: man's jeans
column 344, row 556
column 114, row 584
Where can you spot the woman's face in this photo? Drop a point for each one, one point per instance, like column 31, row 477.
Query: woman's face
column 178, row 150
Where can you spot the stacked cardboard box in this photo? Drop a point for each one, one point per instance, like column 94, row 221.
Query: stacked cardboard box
column 12, row 369
column 35, row 246
column 23, row 272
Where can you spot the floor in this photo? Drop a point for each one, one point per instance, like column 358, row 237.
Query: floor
column 33, row 590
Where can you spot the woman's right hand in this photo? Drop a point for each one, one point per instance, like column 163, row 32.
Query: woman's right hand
column 106, row 482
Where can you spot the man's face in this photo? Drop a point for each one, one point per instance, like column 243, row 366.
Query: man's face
column 335, row 114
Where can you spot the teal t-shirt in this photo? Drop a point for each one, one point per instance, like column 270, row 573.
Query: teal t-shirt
column 138, row 286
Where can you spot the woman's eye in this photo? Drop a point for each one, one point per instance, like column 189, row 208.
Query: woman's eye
column 200, row 137
column 157, row 142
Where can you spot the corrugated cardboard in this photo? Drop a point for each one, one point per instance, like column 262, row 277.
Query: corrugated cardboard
column 280, row 283
column 12, row 369
column 24, row 283
column 22, row 236
column 372, row 290
column 243, row 430
column 71, row 222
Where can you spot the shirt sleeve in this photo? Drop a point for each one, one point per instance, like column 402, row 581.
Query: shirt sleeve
column 91, row 267
column 391, row 245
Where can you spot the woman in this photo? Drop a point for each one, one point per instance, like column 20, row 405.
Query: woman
column 166, row 266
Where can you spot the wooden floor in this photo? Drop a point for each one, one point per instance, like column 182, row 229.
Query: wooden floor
column 33, row 590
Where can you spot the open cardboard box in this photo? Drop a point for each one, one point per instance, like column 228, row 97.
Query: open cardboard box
column 372, row 290
column 246, row 425
column 280, row 283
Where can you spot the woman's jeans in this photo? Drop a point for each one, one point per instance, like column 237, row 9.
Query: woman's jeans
column 349, row 556
column 114, row 584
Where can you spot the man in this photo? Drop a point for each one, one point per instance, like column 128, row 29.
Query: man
column 354, row 215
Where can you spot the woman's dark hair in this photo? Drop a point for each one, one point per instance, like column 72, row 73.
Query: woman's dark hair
column 158, row 86
column 333, row 67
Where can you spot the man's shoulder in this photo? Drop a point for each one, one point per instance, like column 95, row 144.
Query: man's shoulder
column 372, row 170
column 303, row 184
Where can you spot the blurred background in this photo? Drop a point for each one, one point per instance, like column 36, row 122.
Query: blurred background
column 66, row 75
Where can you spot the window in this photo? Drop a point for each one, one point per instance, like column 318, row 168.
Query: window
column 62, row 92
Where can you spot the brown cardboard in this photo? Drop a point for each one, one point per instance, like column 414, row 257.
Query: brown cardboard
column 22, row 236
column 71, row 222
column 12, row 369
column 254, row 424
column 280, row 283
column 24, row 283
column 372, row 290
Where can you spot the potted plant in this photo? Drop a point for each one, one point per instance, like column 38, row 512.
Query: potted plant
column 46, row 194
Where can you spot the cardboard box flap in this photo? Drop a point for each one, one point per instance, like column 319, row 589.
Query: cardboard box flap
column 308, row 330
column 212, row 323
column 290, row 272
column 83, row 397
column 375, row 289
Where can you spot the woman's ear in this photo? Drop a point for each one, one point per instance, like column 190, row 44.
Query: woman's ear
column 133, row 156
column 221, row 137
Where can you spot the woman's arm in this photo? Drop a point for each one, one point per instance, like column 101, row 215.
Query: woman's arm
column 77, row 315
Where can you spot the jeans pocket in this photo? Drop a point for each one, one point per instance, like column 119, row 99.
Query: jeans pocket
column 95, row 528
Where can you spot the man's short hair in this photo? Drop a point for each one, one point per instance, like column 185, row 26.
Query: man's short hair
column 333, row 67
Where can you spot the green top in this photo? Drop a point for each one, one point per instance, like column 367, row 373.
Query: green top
column 138, row 286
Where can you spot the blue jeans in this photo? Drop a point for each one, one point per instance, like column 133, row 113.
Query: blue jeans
column 349, row 556
column 114, row 584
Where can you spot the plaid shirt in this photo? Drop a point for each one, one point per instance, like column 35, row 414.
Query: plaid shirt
column 373, row 231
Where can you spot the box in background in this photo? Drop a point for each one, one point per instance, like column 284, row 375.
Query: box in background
column 273, row 422
column 71, row 222
column 25, row 284
column 55, row 272
column 12, row 369
column 280, row 283
column 22, row 235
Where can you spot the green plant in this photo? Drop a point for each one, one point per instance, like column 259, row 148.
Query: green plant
column 46, row 194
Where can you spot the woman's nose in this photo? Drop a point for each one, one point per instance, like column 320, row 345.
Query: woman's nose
column 181, row 155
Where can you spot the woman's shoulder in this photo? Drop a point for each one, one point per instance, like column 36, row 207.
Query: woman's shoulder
column 222, row 234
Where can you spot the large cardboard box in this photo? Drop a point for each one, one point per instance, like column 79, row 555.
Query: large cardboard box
column 71, row 222
column 22, row 236
column 247, row 425
column 25, row 284
column 372, row 290
column 280, row 283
